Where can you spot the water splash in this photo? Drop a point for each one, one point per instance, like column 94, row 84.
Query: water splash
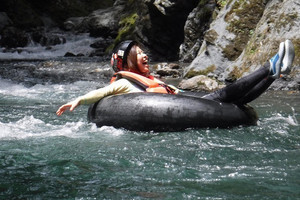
column 76, row 44
column 29, row 127
column 290, row 119
column 40, row 92
column 111, row 130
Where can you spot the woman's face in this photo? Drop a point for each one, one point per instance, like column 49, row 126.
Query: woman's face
column 142, row 61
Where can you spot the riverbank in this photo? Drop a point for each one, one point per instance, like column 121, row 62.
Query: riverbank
column 69, row 70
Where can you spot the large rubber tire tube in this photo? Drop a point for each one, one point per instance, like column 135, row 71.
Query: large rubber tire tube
column 165, row 112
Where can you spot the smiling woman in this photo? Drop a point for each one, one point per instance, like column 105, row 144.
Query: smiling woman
column 226, row 107
column 129, row 57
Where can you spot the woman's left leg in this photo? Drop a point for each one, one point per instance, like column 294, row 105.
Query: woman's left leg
column 252, row 86
column 242, row 87
column 255, row 92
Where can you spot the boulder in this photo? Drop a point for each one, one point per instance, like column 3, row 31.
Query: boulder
column 200, row 83
column 195, row 26
column 244, row 35
column 12, row 37
column 280, row 21
column 4, row 20
column 45, row 38
column 161, row 26
column 168, row 69
column 104, row 22
column 75, row 24
column 227, row 35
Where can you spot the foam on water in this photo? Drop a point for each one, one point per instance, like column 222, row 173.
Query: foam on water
column 38, row 91
column 111, row 130
column 32, row 110
column 43, row 156
column 41, row 102
column 75, row 44
column 30, row 126
column 290, row 119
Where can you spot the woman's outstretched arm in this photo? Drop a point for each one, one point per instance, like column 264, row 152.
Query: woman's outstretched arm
column 121, row 86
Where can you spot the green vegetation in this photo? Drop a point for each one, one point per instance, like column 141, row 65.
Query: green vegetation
column 276, row 23
column 296, row 43
column 242, row 20
column 210, row 36
column 127, row 26
column 285, row 20
column 237, row 72
column 221, row 3
column 206, row 71
column 127, row 23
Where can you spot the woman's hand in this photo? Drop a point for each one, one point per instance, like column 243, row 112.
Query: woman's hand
column 72, row 105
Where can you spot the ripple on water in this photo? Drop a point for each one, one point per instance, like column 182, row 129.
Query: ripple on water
column 43, row 156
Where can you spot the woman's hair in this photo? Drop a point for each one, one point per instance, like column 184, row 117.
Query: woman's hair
column 132, row 58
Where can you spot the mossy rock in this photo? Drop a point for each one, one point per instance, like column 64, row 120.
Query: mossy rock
column 286, row 20
column 296, row 43
column 242, row 20
column 237, row 72
column 211, row 36
column 205, row 72
column 127, row 26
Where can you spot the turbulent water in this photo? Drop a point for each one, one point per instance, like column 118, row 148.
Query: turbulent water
column 43, row 156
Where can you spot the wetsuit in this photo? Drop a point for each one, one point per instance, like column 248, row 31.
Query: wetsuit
column 245, row 89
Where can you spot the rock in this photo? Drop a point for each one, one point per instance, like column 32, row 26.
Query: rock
column 22, row 14
column 102, row 43
column 100, row 47
column 75, row 24
column 241, row 39
column 104, row 22
column 13, row 37
column 165, row 69
column 279, row 22
column 31, row 14
column 195, row 26
column 70, row 54
column 44, row 38
column 227, row 36
column 159, row 26
column 200, row 83
column 4, row 20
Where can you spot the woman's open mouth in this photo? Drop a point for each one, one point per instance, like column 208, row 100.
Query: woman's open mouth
column 145, row 62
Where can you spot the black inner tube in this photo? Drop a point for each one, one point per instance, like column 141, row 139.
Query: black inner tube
column 165, row 112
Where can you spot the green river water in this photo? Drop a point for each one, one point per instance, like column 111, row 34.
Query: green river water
column 43, row 156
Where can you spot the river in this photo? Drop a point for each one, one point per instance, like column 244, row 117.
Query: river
column 43, row 156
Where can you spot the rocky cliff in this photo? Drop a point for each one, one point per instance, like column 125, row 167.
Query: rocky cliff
column 222, row 39
column 244, row 35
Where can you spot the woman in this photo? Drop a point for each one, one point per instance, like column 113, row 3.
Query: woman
column 128, row 56
column 132, row 75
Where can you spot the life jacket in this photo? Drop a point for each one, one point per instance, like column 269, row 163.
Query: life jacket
column 148, row 84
